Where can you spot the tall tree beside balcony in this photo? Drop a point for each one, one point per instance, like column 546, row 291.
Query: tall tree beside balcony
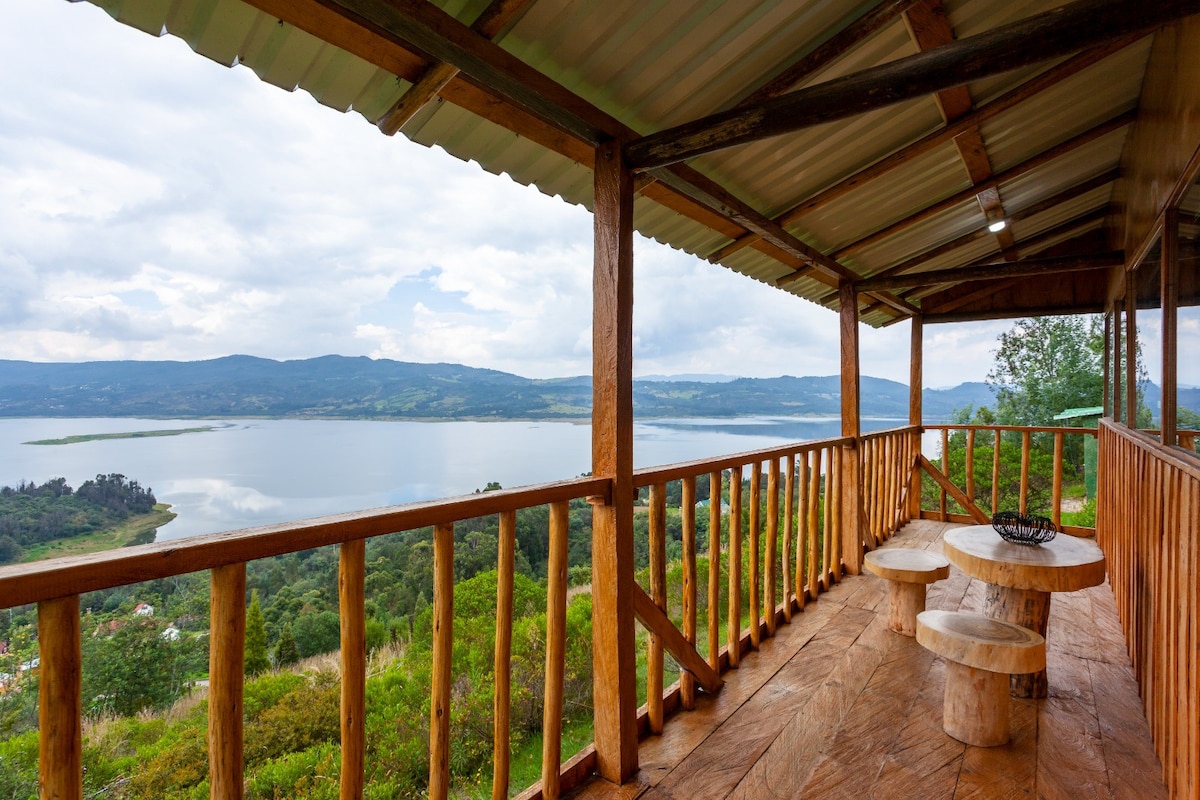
column 256, row 638
column 1046, row 365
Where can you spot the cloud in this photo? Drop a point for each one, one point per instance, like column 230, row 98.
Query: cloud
column 159, row 206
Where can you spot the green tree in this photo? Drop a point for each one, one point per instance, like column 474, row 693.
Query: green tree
column 285, row 650
column 1045, row 365
column 256, row 638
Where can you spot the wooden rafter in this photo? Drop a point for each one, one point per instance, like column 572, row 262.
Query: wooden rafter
column 1066, row 30
column 931, row 141
column 930, row 28
column 1040, row 160
column 491, row 22
column 995, row 271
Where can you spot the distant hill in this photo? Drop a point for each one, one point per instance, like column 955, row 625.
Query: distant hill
column 359, row 387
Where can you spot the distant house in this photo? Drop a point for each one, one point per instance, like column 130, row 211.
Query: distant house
column 143, row 610
column 171, row 634
column 3, row 648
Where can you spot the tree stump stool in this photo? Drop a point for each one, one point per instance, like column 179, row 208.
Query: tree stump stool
column 908, row 572
column 981, row 653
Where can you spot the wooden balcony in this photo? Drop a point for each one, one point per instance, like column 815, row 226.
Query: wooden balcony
column 835, row 705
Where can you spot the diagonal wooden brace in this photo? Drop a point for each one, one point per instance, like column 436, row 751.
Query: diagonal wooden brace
column 683, row 651
column 959, row 496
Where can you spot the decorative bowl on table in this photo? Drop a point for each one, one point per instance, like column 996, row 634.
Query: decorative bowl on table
column 1026, row 529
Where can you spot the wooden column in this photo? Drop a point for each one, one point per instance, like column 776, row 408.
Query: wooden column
column 1107, row 401
column 1131, row 348
column 352, row 568
column 1118, row 309
column 615, row 669
column 1170, row 326
column 60, row 737
column 851, row 484
column 916, row 383
column 443, row 650
column 226, row 677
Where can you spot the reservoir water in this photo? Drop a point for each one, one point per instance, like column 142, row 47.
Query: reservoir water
column 255, row 472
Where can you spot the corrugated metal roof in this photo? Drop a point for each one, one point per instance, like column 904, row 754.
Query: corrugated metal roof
column 652, row 64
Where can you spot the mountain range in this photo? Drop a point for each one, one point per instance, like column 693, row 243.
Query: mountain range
column 359, row 387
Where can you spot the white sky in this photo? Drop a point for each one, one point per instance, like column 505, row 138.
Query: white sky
column 155, row 205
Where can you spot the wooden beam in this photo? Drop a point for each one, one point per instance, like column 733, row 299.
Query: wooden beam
column 996, row 271
column 60, row 707
column 1047, row 36
column 1031, row 88
column 613, row 586
column 656, row 621
column 842, row 42
column 1012, row 173
column 490, row 22
column 426, row 29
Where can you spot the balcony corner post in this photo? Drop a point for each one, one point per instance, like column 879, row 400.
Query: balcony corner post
column 916, row 386
column 615, row 673
column 851, row 468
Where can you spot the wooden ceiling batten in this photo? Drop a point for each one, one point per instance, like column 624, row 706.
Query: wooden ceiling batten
column 491, row 22
column 1044, row 37
column 1026, row 91
column 1041, row 159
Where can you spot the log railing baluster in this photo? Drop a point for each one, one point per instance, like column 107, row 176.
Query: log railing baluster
column 945, row 468
column 1025, row 448
column 502, row 664
column 789, row 533
column 970, row 464
column 996, row 474
column 226, row 677
column 771, row 544
column 714, row 569
column 60, row 736
column 687, row 510
column 815, row 558
column 556, row 649
column 755, row 556
column 801, row 582
column 835, row 499
column 1057, row 481
column 658, row 593
column 733, row 634
column 443, row 647
column 352, row 566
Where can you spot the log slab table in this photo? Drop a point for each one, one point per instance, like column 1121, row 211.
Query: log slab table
column 981, row 653
column 1021, row 578
column 907, row 572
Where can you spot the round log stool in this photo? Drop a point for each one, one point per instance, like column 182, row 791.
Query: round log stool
column 907, row 571
column 980, row 654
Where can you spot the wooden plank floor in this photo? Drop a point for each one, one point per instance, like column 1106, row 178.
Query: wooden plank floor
column 837, row 706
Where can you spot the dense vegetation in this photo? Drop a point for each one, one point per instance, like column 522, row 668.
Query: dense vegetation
column 31, row 514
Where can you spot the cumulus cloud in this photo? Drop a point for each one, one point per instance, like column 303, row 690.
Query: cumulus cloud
column 159, row 206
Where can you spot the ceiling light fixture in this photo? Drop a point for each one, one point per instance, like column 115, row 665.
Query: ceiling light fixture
column 998, row 225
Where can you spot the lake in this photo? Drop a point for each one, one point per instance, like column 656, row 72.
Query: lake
column 255, row 472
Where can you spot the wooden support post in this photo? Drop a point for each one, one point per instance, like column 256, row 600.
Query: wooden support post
column 226, row 676
column 1106, row 402
column 850, row 478
column 60, row 737
column 443, row 649
column 1117, row 409
column 502, row 700
column 1169, row 290
column 615, row 668
column 352, row 568
column 916, row 385
column 1131, row 348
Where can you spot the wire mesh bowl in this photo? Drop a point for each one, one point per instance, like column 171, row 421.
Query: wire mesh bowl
column 1024, row 529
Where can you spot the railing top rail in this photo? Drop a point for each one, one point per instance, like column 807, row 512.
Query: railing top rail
column 62, row 577
column 1176, row 457
column 1017, row 428
column 648, row 476
column 889, row 432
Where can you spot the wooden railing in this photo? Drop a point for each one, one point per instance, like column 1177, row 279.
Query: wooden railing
column 972, row 494
column 56, row 586
column 780, row 544
column 1148, row 524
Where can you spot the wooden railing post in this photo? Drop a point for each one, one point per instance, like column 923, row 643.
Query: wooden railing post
column 502, row 699
column 851, row 502
column 755, row 559
column 687, row 512
column 789, row 534
column 226, row 678
column 733, row 631
column 658, row 593
column 556, row 649
column 352, row 569
column 771, row 544
column 60, row 738
column 615, row 669
column 714, row 569
column 443, row 651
